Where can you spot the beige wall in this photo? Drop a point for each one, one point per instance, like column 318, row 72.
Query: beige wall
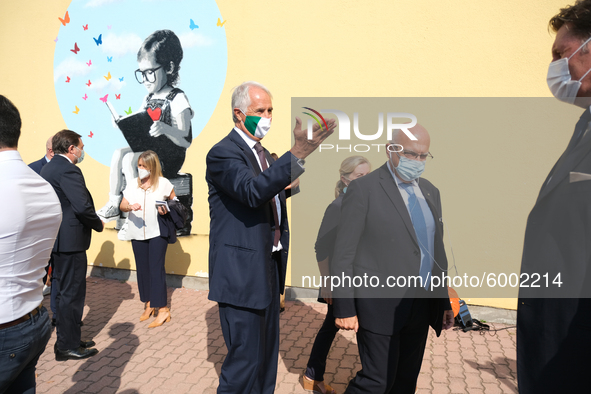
column 400, row 48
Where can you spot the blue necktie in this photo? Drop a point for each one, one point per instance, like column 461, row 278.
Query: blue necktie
column 420, row 226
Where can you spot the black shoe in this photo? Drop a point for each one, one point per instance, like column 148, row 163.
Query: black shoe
column 74, row 354
column 87, row 344
column 84, row 344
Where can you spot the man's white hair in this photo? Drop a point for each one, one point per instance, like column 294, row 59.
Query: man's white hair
column 241, row 97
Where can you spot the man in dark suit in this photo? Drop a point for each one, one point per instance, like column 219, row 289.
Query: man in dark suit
column 249, row 237
column 38, row 165
column 554, row 318
column 69, row 251
column 391, row 227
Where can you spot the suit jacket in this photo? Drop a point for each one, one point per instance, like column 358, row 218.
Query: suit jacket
column 553, row 332
column 78, row 214
column 377, row 238
column 38, row 165
column 241, row 270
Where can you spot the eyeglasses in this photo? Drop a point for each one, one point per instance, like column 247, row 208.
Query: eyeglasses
column 415, row 156
column 146, row 75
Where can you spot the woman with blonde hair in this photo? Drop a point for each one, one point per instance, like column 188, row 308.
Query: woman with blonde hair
column 351, row 168
column 149, row 247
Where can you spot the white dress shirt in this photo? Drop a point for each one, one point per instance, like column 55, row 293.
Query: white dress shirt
column 251, row 143
column 427, row 214
column 30, row 221
column 143, row 224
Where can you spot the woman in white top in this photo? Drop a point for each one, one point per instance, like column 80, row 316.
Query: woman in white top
column 149, row 248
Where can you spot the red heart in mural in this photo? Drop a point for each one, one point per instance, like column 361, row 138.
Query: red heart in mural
column 154, row 114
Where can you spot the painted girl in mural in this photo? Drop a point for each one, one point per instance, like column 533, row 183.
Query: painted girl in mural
column 163, row 123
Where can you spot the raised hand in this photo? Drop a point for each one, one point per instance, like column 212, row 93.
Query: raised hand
column 303, row 146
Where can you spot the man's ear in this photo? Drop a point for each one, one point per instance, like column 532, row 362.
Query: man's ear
column 237, row 112
column 170, row 68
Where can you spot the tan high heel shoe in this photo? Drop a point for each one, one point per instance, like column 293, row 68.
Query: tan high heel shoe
column 163, row 317
column 147, row 312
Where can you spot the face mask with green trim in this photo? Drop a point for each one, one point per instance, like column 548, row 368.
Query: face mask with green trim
column 256, row 125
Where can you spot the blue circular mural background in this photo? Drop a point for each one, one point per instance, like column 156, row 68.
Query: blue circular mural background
column 81, row 79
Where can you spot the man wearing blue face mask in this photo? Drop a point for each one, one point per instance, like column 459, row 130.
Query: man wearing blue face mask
column 249, row 237
column 391, row 228
column 73, row 239
column 554, row 319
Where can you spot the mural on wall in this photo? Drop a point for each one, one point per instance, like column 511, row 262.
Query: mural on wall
column 135, row 75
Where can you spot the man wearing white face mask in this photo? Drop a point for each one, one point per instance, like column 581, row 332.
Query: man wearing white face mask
column 249, row 237
column 73, row 239
column 554, row 320
column 391, row 228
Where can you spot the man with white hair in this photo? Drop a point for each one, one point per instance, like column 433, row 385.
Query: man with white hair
column 249, row 237
column 38, row 165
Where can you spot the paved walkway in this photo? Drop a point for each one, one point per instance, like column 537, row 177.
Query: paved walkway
column 185, row 355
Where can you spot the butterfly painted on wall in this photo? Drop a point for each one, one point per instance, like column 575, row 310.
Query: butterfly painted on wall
column 220, row 23
column 108, row 77
column 66, row 19
column 192, row 25
column 85, row 27
column 89, row 83
column 67, row 79
column 121, row 79
column 85, row 96
column 104, row 99
column 89, row 63
column 91, row 134
column 128, row 112
column 109, row 59
column 118, row 96
column 76, row 49
column 98, row 40
column 77, row 110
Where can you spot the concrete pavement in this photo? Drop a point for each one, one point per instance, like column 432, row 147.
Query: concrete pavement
column 185, row 355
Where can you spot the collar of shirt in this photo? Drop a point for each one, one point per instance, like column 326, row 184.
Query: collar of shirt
column 398, row 181
column 251, row 143
column 67, row 158
column 10, row 155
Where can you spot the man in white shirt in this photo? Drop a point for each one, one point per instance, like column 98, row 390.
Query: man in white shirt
column 29, row 226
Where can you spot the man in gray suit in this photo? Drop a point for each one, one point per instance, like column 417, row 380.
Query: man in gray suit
column 554, row 318
column 391, row 227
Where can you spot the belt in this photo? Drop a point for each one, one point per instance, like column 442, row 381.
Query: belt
column 21, row 319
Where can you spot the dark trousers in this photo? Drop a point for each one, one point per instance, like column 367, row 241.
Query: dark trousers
column 151, row 275
column 70, row 275
column 20, row 349
column 390, row 364
column 54, row 290
column 252, row 339
column 322, row 343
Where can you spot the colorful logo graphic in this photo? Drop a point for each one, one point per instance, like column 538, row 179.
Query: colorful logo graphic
column 316, row 119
